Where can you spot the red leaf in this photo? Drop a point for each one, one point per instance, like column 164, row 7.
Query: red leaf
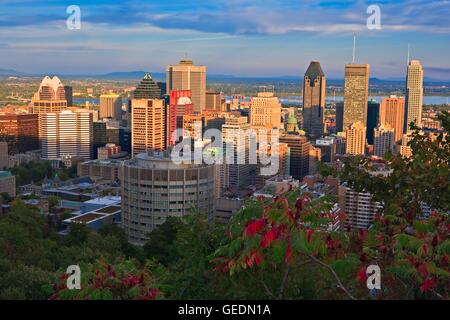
column 362, row 276
column 309, row 234
column 254, row 227
column 249, row 260
column 428, row 284
column 424, row 248
column 423, row 270
column 362, row 235
column 268, row 238
column 299, row 204
column 257, row 258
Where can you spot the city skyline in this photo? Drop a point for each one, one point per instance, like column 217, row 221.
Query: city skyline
column 276, row 40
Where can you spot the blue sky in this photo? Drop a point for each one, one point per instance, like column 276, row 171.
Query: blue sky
column 240, row 37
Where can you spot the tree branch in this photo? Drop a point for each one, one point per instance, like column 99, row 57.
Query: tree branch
column 283, row 282
column 340, row 284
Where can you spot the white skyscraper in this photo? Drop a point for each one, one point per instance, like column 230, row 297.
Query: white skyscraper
column 67, row 134
column 414, row 94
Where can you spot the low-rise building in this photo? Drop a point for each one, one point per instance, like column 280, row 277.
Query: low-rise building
column 7, row 183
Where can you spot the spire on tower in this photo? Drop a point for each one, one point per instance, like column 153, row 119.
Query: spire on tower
column 409, row 53
column 354, row 47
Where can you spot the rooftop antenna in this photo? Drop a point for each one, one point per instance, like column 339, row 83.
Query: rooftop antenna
column 354, row 47
column 409, row 53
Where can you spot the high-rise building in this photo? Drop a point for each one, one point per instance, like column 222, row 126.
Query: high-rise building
column 414, row 95
column 239, row 172
column 180, row 105
column 355, row 139
column 392, row 111
column 50, row 89
column 147, row 125
column 383, row 139
column 155, row 188
column 356, row 94
column 67, row 134
column 327, row 146
column 68, row 93
column 299, row 148
column 314, row 89
column 214, row 101
column 147, row 89
column 405, row 149
column 187, row 76
column 339, row 117
column 359, row 207
column 373, row 113
column 110, row 106
column 51, row 97
column 20, row 131
column 283, row 162
column 315, row 155
column 4, row 156
column 265, row 111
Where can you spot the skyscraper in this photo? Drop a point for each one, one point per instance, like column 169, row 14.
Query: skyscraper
column 414, row 95
column 383, row 139
column 356, row 94
column 214, row 101
column 20, row 131
column 187, row 76
column 68, row 133
column 147, row 89
column 299, row 148
column 239, row 171
column 265, row 111
column 355, row 139
column 314, row 89
column 359, row 207
column 51, row 97
column 147, row 125
column 50, row 89
column 180, row 104
column 110, row 106
column 392, row 112
column 339, row 117
column 373, row 113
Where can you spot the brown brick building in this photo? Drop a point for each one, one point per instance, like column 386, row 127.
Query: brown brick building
column 20, row 131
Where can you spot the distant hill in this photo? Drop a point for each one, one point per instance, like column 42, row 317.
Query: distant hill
column 160, row 76
column 11, row 73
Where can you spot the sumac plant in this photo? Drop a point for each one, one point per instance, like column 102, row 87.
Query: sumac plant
column 102, row 280
column 287, row 247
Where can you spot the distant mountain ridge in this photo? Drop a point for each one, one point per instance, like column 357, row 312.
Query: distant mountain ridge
column 160, row 76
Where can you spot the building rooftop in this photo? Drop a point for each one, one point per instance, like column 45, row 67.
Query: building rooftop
column 5, row 174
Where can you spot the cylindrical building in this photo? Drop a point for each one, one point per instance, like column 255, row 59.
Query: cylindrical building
column 154, row 187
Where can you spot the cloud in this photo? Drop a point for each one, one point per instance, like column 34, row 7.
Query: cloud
column 250, row 17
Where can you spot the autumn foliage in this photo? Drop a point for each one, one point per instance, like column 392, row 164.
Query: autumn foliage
column 107, row 281
column 282, row 235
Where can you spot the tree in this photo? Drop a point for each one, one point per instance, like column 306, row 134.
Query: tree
column 101, row 280
column 272, row 242
column 423, row 178
column 160, row 243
